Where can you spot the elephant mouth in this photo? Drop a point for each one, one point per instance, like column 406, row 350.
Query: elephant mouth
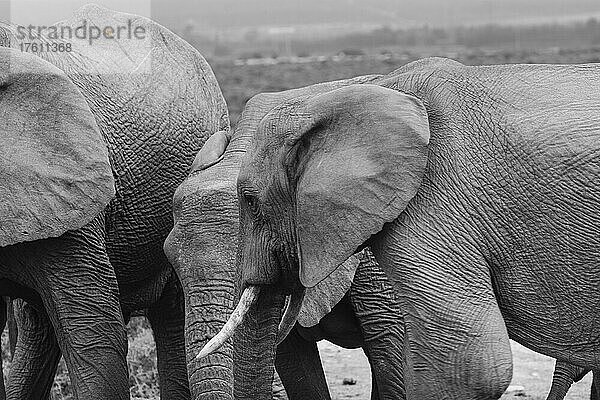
column 248, row 298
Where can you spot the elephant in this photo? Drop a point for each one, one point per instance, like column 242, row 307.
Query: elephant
column 464, row 181
column 97, row 140
column 202, row 248
column 564, row 376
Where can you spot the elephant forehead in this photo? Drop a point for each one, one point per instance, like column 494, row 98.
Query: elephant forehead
column 201, row 192
column 256, row 174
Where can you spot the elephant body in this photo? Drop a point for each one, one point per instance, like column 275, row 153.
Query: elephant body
column 153, row 114
column 524, row 157
column 476, row 189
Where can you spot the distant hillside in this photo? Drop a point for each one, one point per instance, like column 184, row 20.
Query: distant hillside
column 252, row 13
column 218, row 15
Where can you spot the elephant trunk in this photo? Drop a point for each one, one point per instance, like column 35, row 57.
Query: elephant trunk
column 255, row 346
column 208, row 302
column 564, row 376
column 202, row 248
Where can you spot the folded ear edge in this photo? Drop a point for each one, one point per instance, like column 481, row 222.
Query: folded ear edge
column 212, row 152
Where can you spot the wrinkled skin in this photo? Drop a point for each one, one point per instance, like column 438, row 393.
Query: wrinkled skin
column 564, row 376
column 203, row 245
column 153, row 124
column 457, row 178
column 367, row 317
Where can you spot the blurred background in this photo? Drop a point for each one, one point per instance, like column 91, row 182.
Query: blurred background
column 271, row 45
column 258, row 46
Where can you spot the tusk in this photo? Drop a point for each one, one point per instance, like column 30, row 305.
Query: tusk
column 290, row 315
column 247, row 299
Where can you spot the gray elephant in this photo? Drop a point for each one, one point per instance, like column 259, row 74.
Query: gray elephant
column 202, row 248
column 463, row 181
column 97, row 140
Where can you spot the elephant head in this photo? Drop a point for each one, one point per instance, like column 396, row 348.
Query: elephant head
column 203, row 245
column 335, row 167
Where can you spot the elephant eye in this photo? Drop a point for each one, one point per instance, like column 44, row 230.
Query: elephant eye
column 252, row 202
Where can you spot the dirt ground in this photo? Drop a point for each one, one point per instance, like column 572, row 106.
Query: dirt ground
column 532, row 374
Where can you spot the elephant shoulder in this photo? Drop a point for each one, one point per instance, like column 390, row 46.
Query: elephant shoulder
column 429, row 79
column 430, row 65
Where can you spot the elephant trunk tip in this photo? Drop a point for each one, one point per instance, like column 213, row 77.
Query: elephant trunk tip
column 248, row 298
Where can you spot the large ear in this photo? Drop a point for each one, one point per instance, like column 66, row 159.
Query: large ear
column 357, row 162
column 54, row 163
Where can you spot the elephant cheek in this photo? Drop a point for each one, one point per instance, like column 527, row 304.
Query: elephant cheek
column 256, row 262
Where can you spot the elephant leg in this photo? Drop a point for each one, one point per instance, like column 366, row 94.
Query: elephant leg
column 299, row 366
column 562, row 379
column 595, row 391
column 167, row 318
column 457, row 344
column 36, row 355
column 377, row 309
column 78, row 287
column 3, row 317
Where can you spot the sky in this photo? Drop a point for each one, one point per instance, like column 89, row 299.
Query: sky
column 216, row 14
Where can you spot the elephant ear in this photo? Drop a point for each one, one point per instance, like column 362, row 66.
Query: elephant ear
column 54, row 163
column 212, row 151
column 320, row 299
column 357, row 160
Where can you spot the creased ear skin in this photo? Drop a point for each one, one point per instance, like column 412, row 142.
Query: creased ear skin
column 358, row 159
column 212, row 151
column 320, row 299
column 55, row 173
